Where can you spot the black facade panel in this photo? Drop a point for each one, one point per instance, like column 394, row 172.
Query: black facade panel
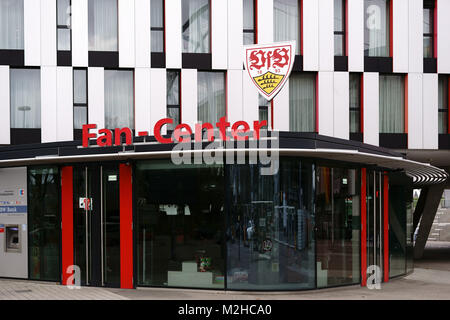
column 201, row 61
column 12, row 58
column 357, row 137
column 378, row 64
column 158, row 60
column 394, row 140
column 430, row 65
column 103, row 59
column 64, row 58
column 340, row 63
column 444, row 141
column 25, row 136
column 298, row 63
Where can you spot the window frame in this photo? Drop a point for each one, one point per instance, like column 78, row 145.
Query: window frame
column 81, row 105
column 430, row 5
column 183, row 50
column 445, row 110
column 404, row 93
column 360, row 99
column 342, row 33
column 117, row 39
column 175, row 106
column 389, row 31
column 255, row 21
column 63, row 27
column 160, row 29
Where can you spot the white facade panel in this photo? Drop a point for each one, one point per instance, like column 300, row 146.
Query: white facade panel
column 142, row 33
column 326, row 35
column 32, row 32
column 415, row 111
column 281, row 110
column 48, row 32
column 265, row 21
column 80, row 38
column 325, row 101
column 173, row 33
column 96, row 97
column 400, row 35
column 341, row 112
column 443, row 36
column 415, row 43
column 127, row 57
column 219, row 34
column 5, row 124
column 235, row 34
column 250, row 100
column 355, row 35
column 371, row 108
column 310, row 35
column 158, row 96
column 234, row 95
column 48, row 104
column 142, row 84
column 189, row 108
column 430, row 111
column 64, row 104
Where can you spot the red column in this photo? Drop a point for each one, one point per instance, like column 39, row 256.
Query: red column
column 363, row 228
column 386, row 227
column 67, row 221
column 126, row 227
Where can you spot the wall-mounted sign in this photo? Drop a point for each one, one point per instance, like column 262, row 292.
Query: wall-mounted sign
column 85, row 203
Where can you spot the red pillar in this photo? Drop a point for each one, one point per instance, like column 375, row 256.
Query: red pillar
column 363, row 227
column 67, row 221
column 126, row 227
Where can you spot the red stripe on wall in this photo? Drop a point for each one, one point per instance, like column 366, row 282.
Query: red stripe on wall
column 391, row 28
column 256, row 20
column 386, row 227
column 317, row 102
column 363, row 228
column 301, row 27
column 126, row 227
column 362, row 103
column 271, row 115
column 346, row 28
column 406, row 103
column 435, row 30
column 67, row 221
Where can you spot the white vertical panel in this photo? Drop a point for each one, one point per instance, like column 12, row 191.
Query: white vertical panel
column 400, row 35
column 355, row 35
column 326, row 35
column 173, row 33
column 80, row 38
column 415, row 36
column 158, row 96
column 415, row 111
column 126, row 34
column 5, row 124
column 48, row 32
column 341, row 112
column 250, row 101
column 443, row 36
column 235, row 34
column 430, row 111
column 48, row 104
column 219, row 33
column 142, row 98
column 310, row 35
column 265, row 21
column 32, row 32
column 371, row 108
column 234, row 95
column 64, row 106
column 96, row 97
column 325, row 90
column 142, row 33
column 281, row 110
column 189, row 97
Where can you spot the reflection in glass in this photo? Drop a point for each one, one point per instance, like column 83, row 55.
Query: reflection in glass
column 339, row 27
column 79, row 117
column 211, row 96
column 79, row 86
column 286, row 21
column 443, row 104
column 302, row 102
column 249, row 22
column 355, row 102
column 195, row 26
column 428, row 29
column 119, row 99
column 11, row 25
column 63, row 39
column 376, row 28
column 103, row 25
column 157, row 25
column 25, row 98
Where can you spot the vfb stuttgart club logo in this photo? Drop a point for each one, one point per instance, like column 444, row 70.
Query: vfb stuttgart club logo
column 269, row 66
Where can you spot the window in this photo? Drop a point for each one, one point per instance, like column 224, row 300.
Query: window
column 264, row 111
column 11, row 24
column 339, row 28
column 195, row 26
column 157, row 25
column 392, row 103
column 211, row 96
column 173, row 99
column 25, row 98
column 287, row 21
column 302, row 102
column 249, row 22
column 377, row 28
column 119, row 99
column 103, row 25
column 443, row 104
column 64, row 22
column 428, row 29
column 80, row 105
column 355, row 102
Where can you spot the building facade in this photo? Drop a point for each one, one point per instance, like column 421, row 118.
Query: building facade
column 366, row 103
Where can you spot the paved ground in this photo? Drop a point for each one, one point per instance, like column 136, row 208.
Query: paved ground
column 430, row 280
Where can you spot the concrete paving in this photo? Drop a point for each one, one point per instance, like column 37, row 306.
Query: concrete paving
column 430, row 281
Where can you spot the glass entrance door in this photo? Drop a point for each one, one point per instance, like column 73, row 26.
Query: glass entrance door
column 97, row 224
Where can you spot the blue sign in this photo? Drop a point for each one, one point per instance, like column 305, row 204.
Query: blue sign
column 13, row 209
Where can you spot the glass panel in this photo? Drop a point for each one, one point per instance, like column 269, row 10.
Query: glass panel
column 173, row 113
column 339, row 45
column 195, row 26
column 119, row 99
column 157, row 39
column 443, row 104
column 392, row 104
column 64, row 40
column 79, row 117
column 443, row 121
column 44, row 223
column 427, row 47
column 11, row 24
column 249, row 15
column 339, row 21
column 79, row 86
column 271, row 227
column 286, row 22
column 428, row 20
column 25, row 98
column 157, row 13
column 63, row 12
column 180, row 225
column 211, row 96
column 302, row 102
column 355, row 103
column 376, row 28
column 173, row 88
column 249, row 38
column 264, row 115
column 103, row 25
